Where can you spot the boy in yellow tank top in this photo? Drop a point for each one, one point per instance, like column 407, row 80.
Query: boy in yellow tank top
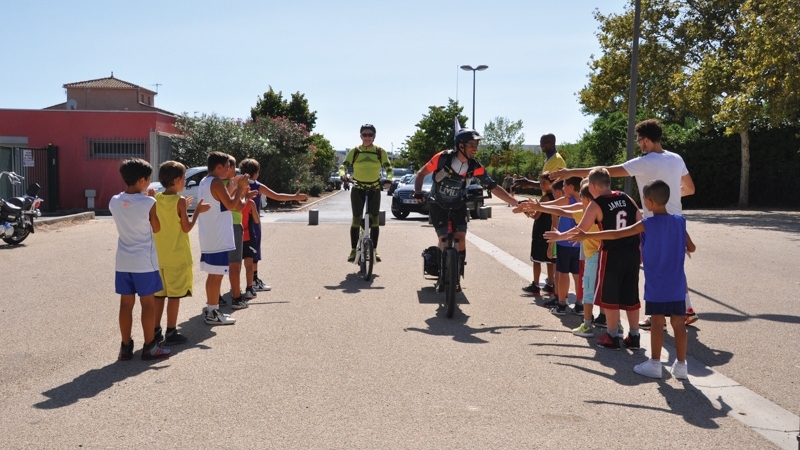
column 173, row 248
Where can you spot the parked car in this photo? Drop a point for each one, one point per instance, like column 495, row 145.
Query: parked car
column 404, row 203
column 397, row 173
column 397, row 182
column 334, row 182
column 193, row 177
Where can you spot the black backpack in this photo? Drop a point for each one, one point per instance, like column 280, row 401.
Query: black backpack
column 430, row 260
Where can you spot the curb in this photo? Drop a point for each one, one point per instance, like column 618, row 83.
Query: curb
column 88, row 215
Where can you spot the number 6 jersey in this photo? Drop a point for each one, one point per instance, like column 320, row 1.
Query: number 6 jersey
column 619, row 211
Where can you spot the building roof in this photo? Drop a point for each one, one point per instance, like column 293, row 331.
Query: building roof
column 106, row 83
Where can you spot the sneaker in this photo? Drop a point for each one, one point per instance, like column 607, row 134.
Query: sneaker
column 680, row 370
column 552, row 303
column 600, row 321
column 154, row 351
column 649, row 368
column 377, row 257
column 646, row 325
column 239, row 303
column 259, row 285
column 632, row 342
column 222, row 301
column 125, row 351
column 560, row 309
column 606, row 341
column 583, row 331
column 174, row 338
column 549, row 289
column 352, row 256
column 578, row 309
column 249, row 293
column 691, row 316
column 533, row 289
column 218, row 318
column 158, row 335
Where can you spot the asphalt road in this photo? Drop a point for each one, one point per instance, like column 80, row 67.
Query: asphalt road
column 327, row 360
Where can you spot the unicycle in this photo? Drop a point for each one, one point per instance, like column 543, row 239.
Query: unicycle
column 451, row 269
column 365, row 251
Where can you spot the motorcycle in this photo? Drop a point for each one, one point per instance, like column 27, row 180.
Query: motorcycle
column 17, row 213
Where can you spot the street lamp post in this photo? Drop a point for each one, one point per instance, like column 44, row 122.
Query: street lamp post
column 468, row 68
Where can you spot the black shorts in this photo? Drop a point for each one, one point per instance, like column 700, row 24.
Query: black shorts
column 439, row 218
column 568, row 259
column 618, row 279
column 249, row 249
column 539, row 251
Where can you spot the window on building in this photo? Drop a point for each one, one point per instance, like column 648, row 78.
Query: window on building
column 115, row 148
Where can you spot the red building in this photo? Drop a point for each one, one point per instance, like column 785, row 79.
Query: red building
column 74, row 149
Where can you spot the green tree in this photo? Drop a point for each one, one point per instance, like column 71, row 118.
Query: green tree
column 324, row 157
column 726, row 63
column 272, row 104
column 201, row 135
column 499, row 136
column 435, row 132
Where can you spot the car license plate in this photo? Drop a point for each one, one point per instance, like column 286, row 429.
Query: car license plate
column 410, row 200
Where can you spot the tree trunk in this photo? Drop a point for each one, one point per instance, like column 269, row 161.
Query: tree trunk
column 744, row 182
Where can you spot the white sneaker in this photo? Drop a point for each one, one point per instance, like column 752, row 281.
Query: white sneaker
column 218, row 318
column 680, row 370
column 249, row 294
column 649, row 368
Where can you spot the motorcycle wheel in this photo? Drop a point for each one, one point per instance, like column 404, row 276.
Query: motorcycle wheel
column 18, row 236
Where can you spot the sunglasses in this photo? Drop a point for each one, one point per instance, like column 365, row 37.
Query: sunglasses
column 367, row 134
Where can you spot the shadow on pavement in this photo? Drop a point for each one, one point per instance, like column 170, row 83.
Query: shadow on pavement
column 96, row 381
column 354, row 283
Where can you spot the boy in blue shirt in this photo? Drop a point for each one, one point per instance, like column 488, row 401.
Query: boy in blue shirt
column 665, row 244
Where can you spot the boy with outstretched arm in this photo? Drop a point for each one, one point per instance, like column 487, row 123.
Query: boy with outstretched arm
column 665, row 244
column 216, row 230
column 542, row 222
column 251, row 167
column 173, row 248
column 136, row 265
column 618, row 266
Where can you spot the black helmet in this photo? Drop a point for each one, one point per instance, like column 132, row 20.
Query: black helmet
column 465, row 135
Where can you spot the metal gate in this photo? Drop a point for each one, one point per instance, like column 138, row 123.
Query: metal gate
column 37, row 165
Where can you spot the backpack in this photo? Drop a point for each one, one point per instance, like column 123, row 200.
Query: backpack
column 430, row 260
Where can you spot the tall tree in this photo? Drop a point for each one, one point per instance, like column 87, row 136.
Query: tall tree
column 501, row 135
column 435, row 132
column 728, row 63
column 272, row 105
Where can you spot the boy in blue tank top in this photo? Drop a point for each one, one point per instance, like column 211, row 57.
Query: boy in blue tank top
column 665, row 244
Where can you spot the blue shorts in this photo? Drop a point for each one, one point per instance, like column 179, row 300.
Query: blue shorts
column 677, row 308
column 214, row 263
column 568, row 259
column 144, row 284
column 590, row 278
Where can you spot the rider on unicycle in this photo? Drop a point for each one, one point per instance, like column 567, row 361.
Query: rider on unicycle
column 366, row 161
column 452, row 170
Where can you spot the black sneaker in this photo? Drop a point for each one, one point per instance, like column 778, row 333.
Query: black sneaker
column 533, row 289
column 600, row 321
column 631, row 342
column 239, row 303
column 606, row 341
column 552, row 303
column 549, row 289
column 126, row 351
column 154, row 351
column 174, row 338
column 222, row 301
column 158, row 335
column 560, row 309
column 578, row 309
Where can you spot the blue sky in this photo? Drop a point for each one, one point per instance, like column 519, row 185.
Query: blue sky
column 357, row 62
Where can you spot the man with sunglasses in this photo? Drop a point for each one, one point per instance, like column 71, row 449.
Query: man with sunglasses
column 452, row 171
column 366, row 161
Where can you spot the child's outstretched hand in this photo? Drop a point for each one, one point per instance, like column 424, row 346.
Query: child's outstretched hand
column 576, row 235
column 526, row 207
column 200, row 207
column 300, row 196
column 189, row 199
column 151, row 192
column 552, row 236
